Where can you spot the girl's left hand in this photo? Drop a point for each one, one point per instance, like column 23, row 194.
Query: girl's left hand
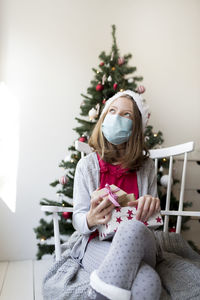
column 146, row 207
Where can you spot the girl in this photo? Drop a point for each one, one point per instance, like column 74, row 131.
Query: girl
column 123, row 267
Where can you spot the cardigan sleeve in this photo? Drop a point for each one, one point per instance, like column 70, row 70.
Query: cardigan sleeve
column 81, row 199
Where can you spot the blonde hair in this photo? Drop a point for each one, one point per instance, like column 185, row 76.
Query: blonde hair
column 134, row 150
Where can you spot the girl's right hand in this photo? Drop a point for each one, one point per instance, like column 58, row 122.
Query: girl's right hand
column 100, row 212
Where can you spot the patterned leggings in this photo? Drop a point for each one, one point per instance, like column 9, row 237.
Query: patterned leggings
column 128, row 261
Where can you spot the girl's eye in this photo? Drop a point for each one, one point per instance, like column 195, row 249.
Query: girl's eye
column 127, row 114
column 112, row 110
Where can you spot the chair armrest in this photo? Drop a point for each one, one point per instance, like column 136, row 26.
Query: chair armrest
column 56, row 209
column 180, row 213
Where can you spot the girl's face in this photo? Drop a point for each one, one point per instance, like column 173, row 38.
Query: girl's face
column 123, row 107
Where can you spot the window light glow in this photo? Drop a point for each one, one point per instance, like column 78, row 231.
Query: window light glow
column 9, row 146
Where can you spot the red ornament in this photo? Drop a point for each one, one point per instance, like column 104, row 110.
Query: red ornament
column 115, row 86
column 82, row 139
column 101, row 64
column 140, row 89
column 66, row 215
column 172, row 229
column 63, row 180
column 99, row 87
column 120, row 61
column 104, row 101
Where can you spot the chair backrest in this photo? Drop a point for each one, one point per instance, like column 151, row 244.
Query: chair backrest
column 157, row 154
column 170, row 152
column 154, row 154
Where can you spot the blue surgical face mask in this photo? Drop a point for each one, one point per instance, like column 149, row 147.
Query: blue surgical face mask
column 116, row 129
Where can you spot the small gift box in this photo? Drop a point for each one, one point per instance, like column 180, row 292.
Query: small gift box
column 116, row 195
column 122, row 212
column 125, row 214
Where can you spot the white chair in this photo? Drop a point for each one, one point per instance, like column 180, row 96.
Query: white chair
column 155, row 154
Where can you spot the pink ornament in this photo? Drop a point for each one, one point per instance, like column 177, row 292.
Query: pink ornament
column 140, row 89
column 82, row 139
column 120, row 61
column 104, row 101
column 115, row 86
column 99, row 87
column 101, row 64
column 63, row 180
column 66, row 215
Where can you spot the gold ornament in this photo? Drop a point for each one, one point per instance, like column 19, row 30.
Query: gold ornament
column 121, row 90
column 113, row 69
column 155, row 135
column 164, row 159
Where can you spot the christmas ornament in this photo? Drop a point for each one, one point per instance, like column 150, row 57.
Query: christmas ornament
column 172, row 229
column 164, row 180
column 121, row 61
column 63, row 180
column 140, row 89
column 101, row 64
column 161, row 169
column 99, row 87
column 109, row 78
column 115, row 86
column 121, row 90
column 130, row 80
column 42, row 240
column 104, row 101
column 97, row 108
column 82, row 139
column 93, row 114
column 66, row 215
column 103, row 79
column 113, row 69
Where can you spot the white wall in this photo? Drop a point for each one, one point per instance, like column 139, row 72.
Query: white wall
column 47, row 51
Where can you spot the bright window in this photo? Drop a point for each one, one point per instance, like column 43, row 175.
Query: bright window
column 9, row 146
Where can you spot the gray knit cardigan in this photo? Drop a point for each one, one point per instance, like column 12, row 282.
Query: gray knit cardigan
column 87, row 179
column 178, row 265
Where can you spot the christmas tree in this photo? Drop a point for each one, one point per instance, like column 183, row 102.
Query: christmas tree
column 113, row 74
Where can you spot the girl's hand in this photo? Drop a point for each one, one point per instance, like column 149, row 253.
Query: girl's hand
column 100, row 211
column 146, row 207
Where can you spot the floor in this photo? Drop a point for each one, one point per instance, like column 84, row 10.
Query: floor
column 22, row 280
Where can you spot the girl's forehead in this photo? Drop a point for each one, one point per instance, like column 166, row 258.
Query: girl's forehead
column 123, row 102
